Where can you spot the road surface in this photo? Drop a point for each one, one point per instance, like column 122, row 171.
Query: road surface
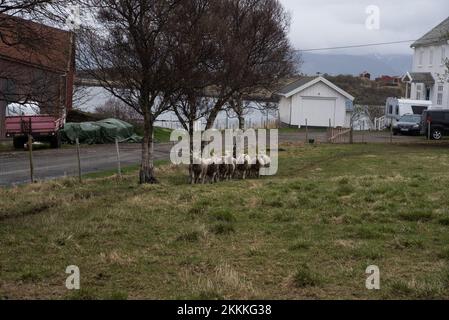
column 50, row 163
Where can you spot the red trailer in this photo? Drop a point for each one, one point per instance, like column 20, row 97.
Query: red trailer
column 43, row 128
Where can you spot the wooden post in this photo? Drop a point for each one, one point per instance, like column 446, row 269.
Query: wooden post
column 429, row 131
column 119, row 166
column 30, row 152
column 391, row 131
column 307, row 130
column 3, row 105
column 79, row 159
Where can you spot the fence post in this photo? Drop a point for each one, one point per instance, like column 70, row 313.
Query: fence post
column 307, row 130
column 30, row 152
column 119, row 166
column 391, row 131
column 79, row 159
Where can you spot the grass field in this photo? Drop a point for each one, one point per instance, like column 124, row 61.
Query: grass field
column 308, row 233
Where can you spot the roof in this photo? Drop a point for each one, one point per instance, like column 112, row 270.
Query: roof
column 439, row 34
column 36, row 44
column 306, row 82
column 422, row 77
column 296, row 84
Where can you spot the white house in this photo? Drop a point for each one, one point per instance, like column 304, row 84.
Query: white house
column 426, row 79
column 317, row 101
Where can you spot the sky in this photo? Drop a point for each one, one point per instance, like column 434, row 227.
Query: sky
column 335, row 23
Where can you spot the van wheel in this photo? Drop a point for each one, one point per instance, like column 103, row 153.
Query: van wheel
column 437, row 134
column 19, row 142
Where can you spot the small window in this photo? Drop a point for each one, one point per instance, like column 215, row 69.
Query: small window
column 390, row 109
column 421, row 57
column 441, row 88
column 439, row 99
column 443, row 55
column 397, row 110
column 431, row 57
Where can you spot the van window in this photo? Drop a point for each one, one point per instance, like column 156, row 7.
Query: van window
column 397, row 110
column 418, row 109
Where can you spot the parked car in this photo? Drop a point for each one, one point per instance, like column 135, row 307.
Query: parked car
column 438, row 121
column 408, row 124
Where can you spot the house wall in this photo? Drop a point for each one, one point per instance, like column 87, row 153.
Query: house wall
column 430, row 59
column 284, row 110
column 319, row 91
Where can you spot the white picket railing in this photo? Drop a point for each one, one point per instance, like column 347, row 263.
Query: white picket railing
column 380, row 124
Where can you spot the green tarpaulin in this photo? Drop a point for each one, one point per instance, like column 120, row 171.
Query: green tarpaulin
column 100, row 132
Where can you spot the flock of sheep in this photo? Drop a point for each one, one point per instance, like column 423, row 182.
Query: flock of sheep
column 227, row 167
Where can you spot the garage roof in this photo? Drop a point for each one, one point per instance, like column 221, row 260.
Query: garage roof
column 306, row 82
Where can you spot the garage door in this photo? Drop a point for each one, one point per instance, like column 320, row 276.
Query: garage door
column 319, row 111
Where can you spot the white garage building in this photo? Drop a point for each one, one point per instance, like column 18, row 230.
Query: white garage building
column 317, row 101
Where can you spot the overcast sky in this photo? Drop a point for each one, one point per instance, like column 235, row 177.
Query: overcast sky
column 331, row 23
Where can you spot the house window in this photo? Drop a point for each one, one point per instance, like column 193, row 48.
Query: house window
column 440, row 95
column 390, row 109
column 443, row 55
column 431, row 57
column 421, row 57
column 439, row 99
column 397, row 110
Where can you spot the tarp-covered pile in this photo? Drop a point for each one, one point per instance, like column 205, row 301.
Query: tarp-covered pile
column 100, row 132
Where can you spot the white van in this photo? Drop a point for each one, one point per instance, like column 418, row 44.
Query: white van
column 396, row 108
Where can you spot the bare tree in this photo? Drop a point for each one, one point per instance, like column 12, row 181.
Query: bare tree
column 254, row 50
column 127, row 50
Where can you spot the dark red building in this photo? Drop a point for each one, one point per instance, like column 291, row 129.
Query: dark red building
column 37, row 64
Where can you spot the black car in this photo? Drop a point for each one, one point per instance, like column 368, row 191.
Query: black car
column 408, row 124
column 439, row 123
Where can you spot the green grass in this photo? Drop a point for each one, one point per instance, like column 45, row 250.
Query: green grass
column 161, row 135
column 308, row 233
column 6, row 146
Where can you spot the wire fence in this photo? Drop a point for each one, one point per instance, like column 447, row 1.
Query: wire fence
column 78, row 161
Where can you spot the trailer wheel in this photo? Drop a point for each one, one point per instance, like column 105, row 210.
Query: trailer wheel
column 19, row 142
column 55, row 142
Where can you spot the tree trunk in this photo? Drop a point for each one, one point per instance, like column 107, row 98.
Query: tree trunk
column 2, row 109
column 146, row 173
column 213, row 116
column 191, row 130
column 241, row 122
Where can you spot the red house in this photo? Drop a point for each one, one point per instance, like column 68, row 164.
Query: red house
column 37, row 64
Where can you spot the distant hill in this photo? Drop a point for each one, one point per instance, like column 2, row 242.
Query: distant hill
column 366, row 92
column 335, row 64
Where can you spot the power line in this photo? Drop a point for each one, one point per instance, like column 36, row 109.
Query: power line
column 356, row 46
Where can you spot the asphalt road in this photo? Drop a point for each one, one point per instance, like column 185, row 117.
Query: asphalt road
column 50, row 164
